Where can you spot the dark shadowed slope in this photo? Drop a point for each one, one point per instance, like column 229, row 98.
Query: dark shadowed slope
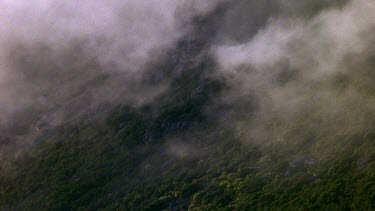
column 205, row 126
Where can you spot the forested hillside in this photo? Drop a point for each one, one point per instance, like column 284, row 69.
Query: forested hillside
column 237, row 106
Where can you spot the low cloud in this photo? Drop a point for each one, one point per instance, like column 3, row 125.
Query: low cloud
column 316, row 66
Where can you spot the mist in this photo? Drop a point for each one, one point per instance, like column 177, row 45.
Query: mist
column 187, row 104
column 60, row 58
column 315, row 67
column 64, row 61
column 67, row 62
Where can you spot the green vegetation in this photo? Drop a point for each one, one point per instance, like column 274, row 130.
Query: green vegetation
column 178, row 159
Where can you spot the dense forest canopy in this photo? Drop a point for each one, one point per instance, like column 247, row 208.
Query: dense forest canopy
column 187, row 105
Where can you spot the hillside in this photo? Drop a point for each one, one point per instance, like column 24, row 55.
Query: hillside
column 277, row 116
